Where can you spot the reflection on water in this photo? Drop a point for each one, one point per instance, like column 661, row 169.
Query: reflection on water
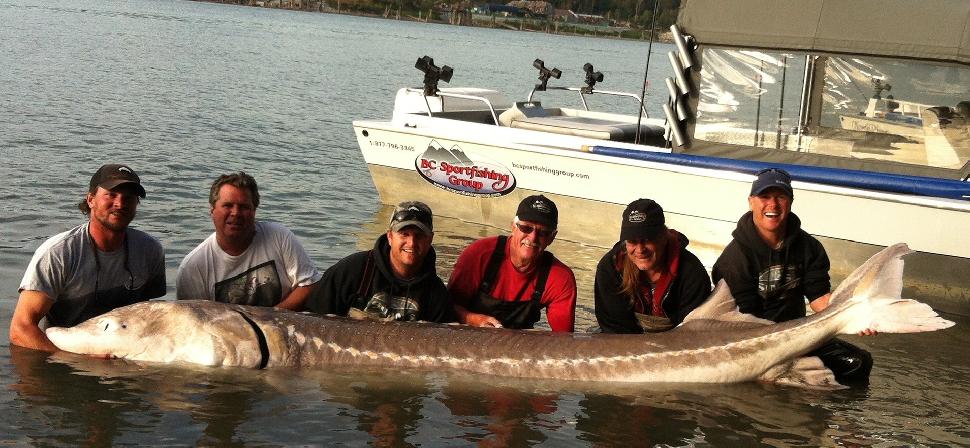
column 115, row 402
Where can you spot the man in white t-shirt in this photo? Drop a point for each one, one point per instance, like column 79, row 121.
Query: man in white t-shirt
column 93, row 268
column 246, row 261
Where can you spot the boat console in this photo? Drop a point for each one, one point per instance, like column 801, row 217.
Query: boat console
column 480, row 106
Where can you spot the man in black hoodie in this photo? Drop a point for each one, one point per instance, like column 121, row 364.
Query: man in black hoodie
column 772, row 266
column 396, row 280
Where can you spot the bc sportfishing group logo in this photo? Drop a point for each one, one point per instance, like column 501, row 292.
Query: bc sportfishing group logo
column 463, row 173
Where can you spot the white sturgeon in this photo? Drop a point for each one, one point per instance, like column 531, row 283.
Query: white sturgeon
column 715, row 344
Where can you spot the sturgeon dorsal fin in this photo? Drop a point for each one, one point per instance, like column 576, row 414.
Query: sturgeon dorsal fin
column 720, row 306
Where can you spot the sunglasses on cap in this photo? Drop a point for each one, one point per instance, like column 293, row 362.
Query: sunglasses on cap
column 411, row 215
column 528, row 229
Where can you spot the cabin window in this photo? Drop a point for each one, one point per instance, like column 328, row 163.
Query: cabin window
column 749, row 98
column 913, row 112
column 906, row 111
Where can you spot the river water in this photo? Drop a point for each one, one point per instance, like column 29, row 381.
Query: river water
column 184, row 91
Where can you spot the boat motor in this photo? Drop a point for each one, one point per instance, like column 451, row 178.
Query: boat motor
column 545, row 74
column 591, row 78
column 432, row 74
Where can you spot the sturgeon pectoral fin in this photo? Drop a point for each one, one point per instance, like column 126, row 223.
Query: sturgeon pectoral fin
column 808, row 373
column 721, row 306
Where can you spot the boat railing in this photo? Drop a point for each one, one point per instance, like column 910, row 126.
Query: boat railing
column 584, row 91
column 482, row 99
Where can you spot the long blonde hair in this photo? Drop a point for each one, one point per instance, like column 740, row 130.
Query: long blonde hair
column 629, row 278
column 631, row 275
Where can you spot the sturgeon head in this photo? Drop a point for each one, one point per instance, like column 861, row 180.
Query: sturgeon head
column 198, row 332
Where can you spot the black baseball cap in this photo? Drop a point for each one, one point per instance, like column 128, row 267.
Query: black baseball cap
column 538, row 209
column 772, row 178
column 112, row 176
column 642, row 219
column 412, row 213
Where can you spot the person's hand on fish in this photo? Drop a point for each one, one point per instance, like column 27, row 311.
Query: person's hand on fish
column 482, row 320
column 821, row 303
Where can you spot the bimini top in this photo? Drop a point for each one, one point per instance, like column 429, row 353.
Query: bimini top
column 922, row 29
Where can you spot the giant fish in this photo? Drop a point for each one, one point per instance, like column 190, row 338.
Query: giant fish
column 715, row 343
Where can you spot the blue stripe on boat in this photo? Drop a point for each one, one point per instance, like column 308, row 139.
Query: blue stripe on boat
column 866, row 180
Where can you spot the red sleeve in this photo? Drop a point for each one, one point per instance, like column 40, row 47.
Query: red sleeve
column 560, row 298
column 469, row 269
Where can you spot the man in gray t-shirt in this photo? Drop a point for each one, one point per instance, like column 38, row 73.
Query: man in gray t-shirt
column 93, row 268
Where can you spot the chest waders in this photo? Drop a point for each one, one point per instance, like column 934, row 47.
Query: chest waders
column 649, row 322
column 518, row 314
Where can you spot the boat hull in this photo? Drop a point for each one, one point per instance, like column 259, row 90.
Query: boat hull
column 591, row 191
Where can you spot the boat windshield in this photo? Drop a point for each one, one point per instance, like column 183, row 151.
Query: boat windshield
column 907, row 111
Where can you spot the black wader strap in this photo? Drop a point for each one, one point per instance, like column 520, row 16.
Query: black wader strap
column 545, row 265
column 494, row 262
column 368, row 279
column 261, row 339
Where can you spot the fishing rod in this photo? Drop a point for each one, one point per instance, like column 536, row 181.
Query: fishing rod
column 643, row 90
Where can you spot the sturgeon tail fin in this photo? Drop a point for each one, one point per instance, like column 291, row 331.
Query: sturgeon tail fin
column 872, row 292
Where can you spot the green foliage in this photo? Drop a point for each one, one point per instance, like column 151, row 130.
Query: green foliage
column 639, row 13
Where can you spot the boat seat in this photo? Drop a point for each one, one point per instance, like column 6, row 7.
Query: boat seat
column 530, row 115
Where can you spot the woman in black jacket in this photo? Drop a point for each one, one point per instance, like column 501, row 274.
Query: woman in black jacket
column 648, row 281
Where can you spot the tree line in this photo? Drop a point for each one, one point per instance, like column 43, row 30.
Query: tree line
column 637, row 14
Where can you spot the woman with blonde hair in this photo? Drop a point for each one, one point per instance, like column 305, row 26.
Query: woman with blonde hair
column 648, row 281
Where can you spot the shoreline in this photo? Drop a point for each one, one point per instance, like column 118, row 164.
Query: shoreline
column 319, row 6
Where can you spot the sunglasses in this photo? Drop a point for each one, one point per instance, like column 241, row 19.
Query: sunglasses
column 411, row 215
column 528, row 229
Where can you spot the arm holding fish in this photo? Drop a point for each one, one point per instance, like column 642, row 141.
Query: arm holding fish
column 741, row 277
column 43, row 282
column 560, row 298
column 25, row 331
column 475, row 319
column 435, row 306
column 297, row 298
column 693, row 287
column 301, row 272
column 155, row 286
column 337, row 288
column 190, row 281
column 463, row 284
column 818, row 284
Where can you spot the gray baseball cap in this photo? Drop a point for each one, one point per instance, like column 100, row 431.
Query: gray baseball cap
column 412, row 213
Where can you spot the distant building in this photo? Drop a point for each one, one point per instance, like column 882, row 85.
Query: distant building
column 592, row 19
column 564, row 15
column 568, row 16
column 498, row 9
column 535, row 7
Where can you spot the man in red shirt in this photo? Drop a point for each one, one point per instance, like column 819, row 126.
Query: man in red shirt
column 506, row 281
